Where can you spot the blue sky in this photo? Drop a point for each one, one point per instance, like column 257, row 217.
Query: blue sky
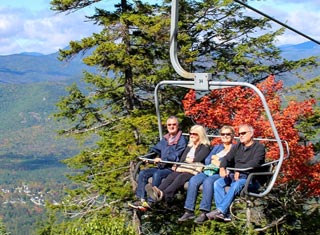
column 30, row 26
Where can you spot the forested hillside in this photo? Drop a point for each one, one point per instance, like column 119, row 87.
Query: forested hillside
column 26, row 125
column 30, row 86
column 31, row 171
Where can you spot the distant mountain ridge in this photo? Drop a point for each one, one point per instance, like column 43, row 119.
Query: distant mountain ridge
column 299, row 51
column 35, row 67
column 30, row 67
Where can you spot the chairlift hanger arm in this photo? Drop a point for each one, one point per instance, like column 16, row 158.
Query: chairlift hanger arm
column 201, row 78
column 277, row 21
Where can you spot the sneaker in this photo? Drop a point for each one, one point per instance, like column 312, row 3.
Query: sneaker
column 227, row 218
column 186, row 216
column 215, row 215
column 201, row 218
column 134, row 204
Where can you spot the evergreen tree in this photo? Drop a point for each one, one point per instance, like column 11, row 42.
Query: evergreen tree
column 3, row 230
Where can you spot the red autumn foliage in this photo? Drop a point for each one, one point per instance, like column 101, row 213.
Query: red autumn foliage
column 238, row 105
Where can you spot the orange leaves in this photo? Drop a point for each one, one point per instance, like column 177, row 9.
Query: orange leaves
column 237, row 105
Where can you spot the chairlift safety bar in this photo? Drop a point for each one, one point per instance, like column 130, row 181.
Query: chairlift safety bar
column 169, row 162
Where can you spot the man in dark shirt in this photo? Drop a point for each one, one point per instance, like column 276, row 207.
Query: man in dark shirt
column 245, row 154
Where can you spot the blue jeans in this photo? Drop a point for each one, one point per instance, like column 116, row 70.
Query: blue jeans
column 222, row 199
column 207, row 192
column 157, row 175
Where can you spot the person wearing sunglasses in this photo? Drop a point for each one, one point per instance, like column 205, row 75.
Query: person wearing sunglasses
column 197, row 150
column 245, row 154
column 209, row 175
column 169, row 148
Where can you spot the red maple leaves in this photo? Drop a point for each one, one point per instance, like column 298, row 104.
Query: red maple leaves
column 237, row 105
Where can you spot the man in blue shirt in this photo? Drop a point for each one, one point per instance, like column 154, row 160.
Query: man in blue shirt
column 169, row 148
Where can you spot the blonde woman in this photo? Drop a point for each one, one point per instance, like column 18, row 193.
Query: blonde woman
column 197, row 150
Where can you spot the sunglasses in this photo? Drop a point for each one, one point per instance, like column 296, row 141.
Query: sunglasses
column 225, row 134
column 171, row 124
column 243, row 133
column 192, row 133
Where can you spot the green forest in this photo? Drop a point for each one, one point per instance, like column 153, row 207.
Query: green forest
column 66, row 165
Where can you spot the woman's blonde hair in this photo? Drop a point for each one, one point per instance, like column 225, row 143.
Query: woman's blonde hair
column 201, row 131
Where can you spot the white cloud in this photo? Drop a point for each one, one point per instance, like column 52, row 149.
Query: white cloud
column 41, row 31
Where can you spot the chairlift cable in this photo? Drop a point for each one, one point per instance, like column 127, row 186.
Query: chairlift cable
column 277, row 21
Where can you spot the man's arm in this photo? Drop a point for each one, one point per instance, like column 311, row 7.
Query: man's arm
column 228, row 160
column 157, row 148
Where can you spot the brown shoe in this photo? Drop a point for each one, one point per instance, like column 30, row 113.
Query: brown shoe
column 158, row 193
column 215, row 215
column 150, row 192
column 186, row 216
column 201, row 218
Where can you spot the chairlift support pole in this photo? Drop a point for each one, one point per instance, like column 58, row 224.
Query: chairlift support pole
column 202, row 82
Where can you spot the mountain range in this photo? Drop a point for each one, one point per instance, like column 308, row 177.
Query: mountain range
column 35, row 67
column 299, row 51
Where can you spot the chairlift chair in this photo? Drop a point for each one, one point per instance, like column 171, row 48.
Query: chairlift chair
column 204, row 82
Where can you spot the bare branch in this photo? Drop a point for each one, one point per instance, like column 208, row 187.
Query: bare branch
column 274, row 223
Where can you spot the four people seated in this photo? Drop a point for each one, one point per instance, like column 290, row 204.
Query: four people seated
column 214, row 178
